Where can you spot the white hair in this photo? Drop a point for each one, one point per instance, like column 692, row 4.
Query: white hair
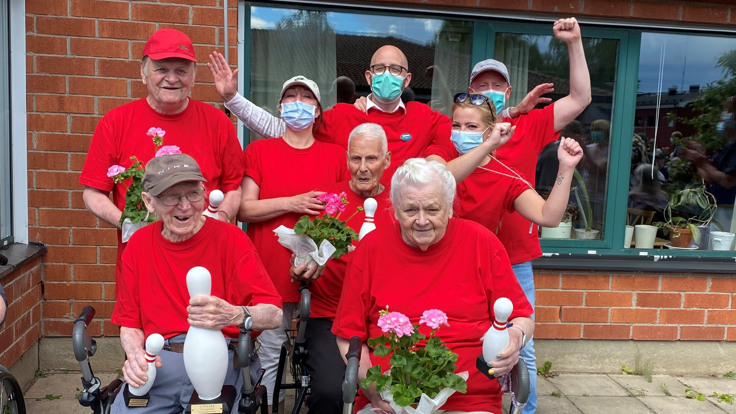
column 370, row 131
column 416, row 172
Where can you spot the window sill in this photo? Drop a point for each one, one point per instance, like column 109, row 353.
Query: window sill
column 18, row 254
column 638, row 263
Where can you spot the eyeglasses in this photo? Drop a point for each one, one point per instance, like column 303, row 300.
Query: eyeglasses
column 174, row 199
column 395, row 70
column 475, row 99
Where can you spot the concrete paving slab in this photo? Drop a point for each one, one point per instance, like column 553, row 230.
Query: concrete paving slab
column 545, row 387
column 65, row 405
column 711, row 384
column 62, row 384
column 591, row 385
column 638, row 386
column 547, row 404
column 680, row 405
column 609, row 405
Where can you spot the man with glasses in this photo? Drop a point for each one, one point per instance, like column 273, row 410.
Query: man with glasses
column 534, row 130
column 168, row 70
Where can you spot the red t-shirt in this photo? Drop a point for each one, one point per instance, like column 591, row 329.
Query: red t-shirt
column 533, row 132
column 486, row 196
column 327, row 289
column 408, row 134
column 280, row 170
column 200, row 130
column 152, row 292
column 462, row 275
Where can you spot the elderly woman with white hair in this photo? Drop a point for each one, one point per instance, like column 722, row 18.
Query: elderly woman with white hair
column 431, row 260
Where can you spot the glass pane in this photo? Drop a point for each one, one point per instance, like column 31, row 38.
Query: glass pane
column 5, row 178
column 324, row 45
column 535, row 59
column 683, row 162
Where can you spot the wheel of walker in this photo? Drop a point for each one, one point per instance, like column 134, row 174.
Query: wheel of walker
column 11, row 395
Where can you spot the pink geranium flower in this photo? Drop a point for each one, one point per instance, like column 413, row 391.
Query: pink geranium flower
column 434, row 318
column 115, row 170
column 397, row 323
column 157, row 134
column 168, row 150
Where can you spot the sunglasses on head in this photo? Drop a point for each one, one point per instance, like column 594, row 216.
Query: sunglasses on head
column 475, row 99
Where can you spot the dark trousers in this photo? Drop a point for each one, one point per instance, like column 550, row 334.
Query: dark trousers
column 325, row 366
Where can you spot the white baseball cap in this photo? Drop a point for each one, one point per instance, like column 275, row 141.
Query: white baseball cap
column 489, row 64
column 303, row 81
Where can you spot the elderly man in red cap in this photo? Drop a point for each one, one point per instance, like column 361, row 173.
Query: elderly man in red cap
column 166, row 116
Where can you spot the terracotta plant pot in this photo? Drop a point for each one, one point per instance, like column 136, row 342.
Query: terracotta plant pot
column 680, row 237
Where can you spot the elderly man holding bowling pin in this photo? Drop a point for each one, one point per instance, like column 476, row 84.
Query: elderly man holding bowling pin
column 152, row 294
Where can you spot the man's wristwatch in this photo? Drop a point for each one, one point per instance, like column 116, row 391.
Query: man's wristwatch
column 247, row 320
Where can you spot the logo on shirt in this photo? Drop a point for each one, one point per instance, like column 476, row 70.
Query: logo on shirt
column 405, row 137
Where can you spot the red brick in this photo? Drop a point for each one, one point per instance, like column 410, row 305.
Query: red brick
column 56, row 180
column 108, row 254
column 63, row 142
column 76, row 161
column 103, row 310
column 201, row 34
column 217, row 3
column 681, row 316
column 105, row 9
column 46, row 122
column 139, row 90
column 609, row 299
column 77, row 290
column 48, row 160
column 65, row 26
column 111, row 329
column 586, row 282
column 57, row 309
column 45, row 84
column 628, row 315
column 98, row 86
column 702, row 333
column 65, row 104
column 208, row 16
column 571, row 7
column 64, row 217
column 53, row 328
column 721, row 317
column 206, row 94
column 658, row 11
column 94, row 237
column 544, row 280
column 99, row 47
column 707, row 300
column 57, row 272
column 550, row 297
column 731, row 334
column 104, row 105
column 125, row 30
column 78, row 202
column 654, row 333
column 84, row 123
column 65, row 65
column 608, row 8
column 94, row 273
column 547, row 313
column 606, row 332
column 658, row 300
column 53, row 7
column 48, row 198
column 49, row 235
column 117, row 68
column 684, row 284
column 722, row 284
column 557, row 331
column 580, row 314
column 46, row 45
column 622, row 282
column 703, row 14
column 71, row 254
column 159, row 13
column 109, row 291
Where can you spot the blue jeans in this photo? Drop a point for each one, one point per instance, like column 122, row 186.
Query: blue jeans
column 525, row 276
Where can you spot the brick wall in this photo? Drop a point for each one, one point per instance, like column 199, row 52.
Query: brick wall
column 641, row 307
column 23, row 321
column 83, row 59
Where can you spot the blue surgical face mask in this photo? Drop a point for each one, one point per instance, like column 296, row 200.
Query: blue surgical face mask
column 498, row 98
column 298, row 115
column 386, row 87
column 465, row 141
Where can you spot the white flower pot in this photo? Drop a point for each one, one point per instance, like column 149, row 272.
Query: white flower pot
column 582, row 234
column 560, row 232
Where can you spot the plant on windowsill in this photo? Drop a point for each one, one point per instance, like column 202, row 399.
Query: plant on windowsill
column 688, row 209
column 585, row 211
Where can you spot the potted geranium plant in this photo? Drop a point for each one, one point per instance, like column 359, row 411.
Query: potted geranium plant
column 421, row 371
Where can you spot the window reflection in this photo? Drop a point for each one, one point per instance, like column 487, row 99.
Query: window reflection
column 683, row 149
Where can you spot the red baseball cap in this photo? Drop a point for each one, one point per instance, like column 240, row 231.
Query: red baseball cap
column 169, row 43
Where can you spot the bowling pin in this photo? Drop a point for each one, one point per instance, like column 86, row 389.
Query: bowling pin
column 216, row 197
column 497, row 337
column 369, row 205
column 205, row 350
column 154, row 344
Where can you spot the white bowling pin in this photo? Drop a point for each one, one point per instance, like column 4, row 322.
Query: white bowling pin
column 497, row 337
column 369, row 205
column 154, row 344
column 216, row 197
column 205, row 350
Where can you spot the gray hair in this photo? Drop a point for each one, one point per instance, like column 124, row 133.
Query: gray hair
column 370, row 131
column 420, row 172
